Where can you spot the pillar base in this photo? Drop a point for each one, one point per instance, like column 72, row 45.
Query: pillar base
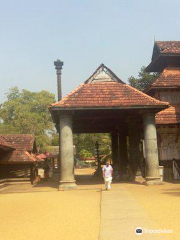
column 64, row 186
column 153, row 181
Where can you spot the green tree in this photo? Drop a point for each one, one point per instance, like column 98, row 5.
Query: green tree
column 85, row 154
column 55, row 139
column 143, row 80
column 27, row 112
column 87, row 142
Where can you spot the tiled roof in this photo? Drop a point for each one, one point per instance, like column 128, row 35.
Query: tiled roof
column 102, row 91
column 23, row 144
column 170, row 115
column 4, row 144
column 17, row 156
column 168, row 46
column 20, row 141
column 168, row 78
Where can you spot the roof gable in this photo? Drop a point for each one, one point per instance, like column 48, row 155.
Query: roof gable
column 98, row 92
column 103, row 74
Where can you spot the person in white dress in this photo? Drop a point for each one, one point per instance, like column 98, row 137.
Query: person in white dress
column 107, row 171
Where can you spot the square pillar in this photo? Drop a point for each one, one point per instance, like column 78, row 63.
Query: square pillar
column 67, row 180
column 151, row 150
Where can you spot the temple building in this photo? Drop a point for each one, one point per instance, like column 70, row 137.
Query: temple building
column 16, row 155
column 166, row 61
column 105, row 104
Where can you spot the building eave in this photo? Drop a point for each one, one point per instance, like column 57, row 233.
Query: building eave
column 160, row 60
column 107, row 108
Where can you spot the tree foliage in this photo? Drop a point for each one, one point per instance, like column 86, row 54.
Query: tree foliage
column 143, row 80
column 27, row 112
column 87, row 142
column 85, row 154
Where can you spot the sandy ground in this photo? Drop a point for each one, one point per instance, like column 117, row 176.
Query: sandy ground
column 162, row 203
column 44, row 213
column 50, row 215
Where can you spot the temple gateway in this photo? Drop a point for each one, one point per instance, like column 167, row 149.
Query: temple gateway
column 104, row 103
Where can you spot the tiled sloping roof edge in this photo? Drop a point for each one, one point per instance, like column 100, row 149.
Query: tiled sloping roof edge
column 153, row 84
column 8, row 139
column 4, row 143
column 67, row 96
column 147, row 96
column 150, row 86
column 166, row 44
column 169, row 115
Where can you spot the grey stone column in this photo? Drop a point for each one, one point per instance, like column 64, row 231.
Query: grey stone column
column 134, row 149
column 58, row 64
column 114, row 142
column 67, row 180
column 151, row 150
column 123, row 158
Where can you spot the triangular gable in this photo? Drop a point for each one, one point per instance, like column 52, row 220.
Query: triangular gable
column 99, row 91
column 103, row 74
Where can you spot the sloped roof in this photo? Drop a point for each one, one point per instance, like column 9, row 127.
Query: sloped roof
column 170, row 115
column 168, row 78
column 168, row 46
column 4, row 144
column 164, row 48
column 22, row 143
column 17, row 156
column 105, row 90
column 165, row 53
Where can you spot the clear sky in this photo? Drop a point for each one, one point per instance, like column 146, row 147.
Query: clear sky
column 82, row 33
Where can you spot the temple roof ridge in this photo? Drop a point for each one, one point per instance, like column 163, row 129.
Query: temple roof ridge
column 96, row 93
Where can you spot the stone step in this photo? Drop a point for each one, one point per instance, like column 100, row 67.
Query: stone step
column 10, row 181
column 2, row 184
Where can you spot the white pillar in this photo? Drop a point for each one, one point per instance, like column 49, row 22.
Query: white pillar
column 151, row 150
column 67, row 180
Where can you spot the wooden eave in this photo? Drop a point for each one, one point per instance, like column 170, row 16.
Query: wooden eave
column 161, row 62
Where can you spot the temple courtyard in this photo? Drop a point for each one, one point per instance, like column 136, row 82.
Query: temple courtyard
column 42, row 212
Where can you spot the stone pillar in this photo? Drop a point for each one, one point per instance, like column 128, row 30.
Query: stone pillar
column 123, row 158
column 151, row 150
column 134, row 148
column 114, row 143
column 58, row 65
column 67, row 180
